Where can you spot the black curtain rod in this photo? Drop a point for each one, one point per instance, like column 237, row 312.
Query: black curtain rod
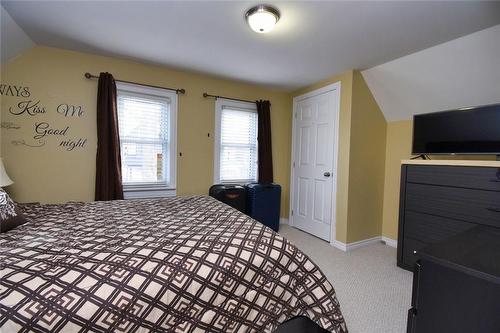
column 178, row 91
column 233, row 99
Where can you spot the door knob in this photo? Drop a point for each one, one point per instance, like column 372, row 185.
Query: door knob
column 326, row 174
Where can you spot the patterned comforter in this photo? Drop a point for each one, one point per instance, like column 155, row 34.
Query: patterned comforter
column 183, row 264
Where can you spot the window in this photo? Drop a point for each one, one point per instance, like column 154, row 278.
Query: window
column 147, row 125
column 236, row 142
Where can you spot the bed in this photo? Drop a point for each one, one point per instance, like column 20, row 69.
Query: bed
column 181, row 264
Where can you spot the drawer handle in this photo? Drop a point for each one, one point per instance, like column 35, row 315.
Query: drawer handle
column 495, row 210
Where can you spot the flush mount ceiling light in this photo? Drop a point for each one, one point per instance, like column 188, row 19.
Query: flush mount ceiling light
column 262, row 18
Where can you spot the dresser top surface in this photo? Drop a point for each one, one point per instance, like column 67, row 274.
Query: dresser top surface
column 471, row 163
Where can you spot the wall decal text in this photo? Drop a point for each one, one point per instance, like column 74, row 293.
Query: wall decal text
column 70, row 110
column 16, row 91
column 72, row 144
column 44, row 129
column 40, row 143
column 10, row 125
column 29, row 107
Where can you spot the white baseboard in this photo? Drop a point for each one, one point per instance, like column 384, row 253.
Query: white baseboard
column 284, row 221
column 361, row 243
column 354, row 245
column 390, row 242
column 339, row 245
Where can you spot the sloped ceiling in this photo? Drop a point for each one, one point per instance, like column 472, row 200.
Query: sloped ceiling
column 313, row 40
column 459, row 73
column 13, row 40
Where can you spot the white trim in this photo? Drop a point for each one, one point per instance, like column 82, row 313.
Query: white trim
column 355, row 245
column 339, row 245
column 364, row 242
column 220, row 103
column 319, row 91
column 284, row 220
column 156, row 190
column 149, row 193
column 390, row 242
column 331, row 87
column 146, row 90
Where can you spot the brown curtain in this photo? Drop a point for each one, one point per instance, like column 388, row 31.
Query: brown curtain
column 108, row 181
column 265, row 145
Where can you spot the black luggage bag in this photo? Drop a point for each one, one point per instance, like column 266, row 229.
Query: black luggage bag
column 232, row 195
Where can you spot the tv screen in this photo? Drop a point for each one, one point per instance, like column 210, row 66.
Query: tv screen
column 464, row 131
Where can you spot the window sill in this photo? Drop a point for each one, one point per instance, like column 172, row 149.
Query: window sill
column 145, row 192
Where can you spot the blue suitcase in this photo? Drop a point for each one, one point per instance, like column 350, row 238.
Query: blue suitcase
column 263, row 203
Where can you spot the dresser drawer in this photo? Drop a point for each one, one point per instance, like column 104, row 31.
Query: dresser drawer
column 430, row 228
column 410, row 251
column 474, row 206
column 456, row 176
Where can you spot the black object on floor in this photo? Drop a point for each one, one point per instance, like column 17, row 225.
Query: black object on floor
column 263, row 203
column 456, row 284
column 300, row 324
column 232, row 195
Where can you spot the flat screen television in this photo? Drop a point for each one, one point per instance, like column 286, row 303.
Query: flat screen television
column 464, row 131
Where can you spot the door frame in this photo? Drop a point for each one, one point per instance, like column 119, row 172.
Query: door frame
column 331, row 87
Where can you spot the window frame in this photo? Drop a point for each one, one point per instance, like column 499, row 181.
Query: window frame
column 220, row 104
column 156, row 190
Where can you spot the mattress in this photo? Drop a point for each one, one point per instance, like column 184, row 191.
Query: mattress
column 181, row 264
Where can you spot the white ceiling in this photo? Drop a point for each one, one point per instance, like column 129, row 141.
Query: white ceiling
column 460, row 73
column 312, row 41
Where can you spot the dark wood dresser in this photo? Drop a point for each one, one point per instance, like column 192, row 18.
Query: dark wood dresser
column 456, row 284
column 440, row 199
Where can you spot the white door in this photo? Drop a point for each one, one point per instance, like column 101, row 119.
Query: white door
column 313, row 169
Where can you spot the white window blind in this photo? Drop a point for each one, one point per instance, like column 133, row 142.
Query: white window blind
column 144, row 138
column 238, row 145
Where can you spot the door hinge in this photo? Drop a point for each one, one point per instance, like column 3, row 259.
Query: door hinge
column 292, row 212
column 294, row 164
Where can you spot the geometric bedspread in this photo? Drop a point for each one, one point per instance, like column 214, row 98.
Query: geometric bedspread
column 181, row 264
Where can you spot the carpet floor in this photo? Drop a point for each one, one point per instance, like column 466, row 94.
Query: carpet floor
column 374, row 293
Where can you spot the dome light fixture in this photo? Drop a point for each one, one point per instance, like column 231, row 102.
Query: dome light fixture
column 262, row 18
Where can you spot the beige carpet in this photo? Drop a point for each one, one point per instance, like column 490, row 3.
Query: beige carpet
column 374, row 293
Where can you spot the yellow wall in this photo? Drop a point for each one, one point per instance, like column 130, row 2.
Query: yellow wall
column 366, row 165
column 398, row 148
column 345, row 80
column 370, row 150
column 55, row 76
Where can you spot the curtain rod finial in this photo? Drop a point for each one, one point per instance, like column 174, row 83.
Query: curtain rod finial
column 181, row 91
column 88, row 75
